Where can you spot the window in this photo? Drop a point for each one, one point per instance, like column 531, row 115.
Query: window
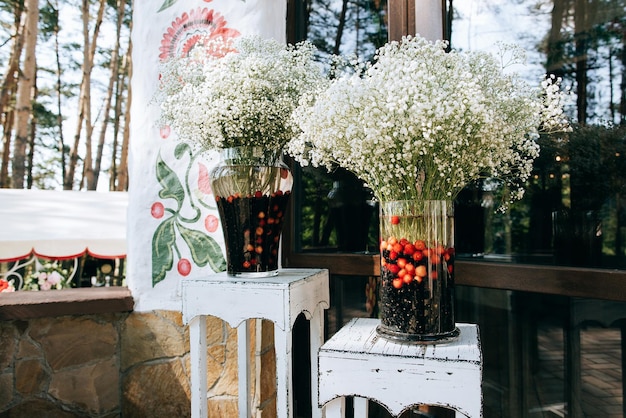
column 574, row 211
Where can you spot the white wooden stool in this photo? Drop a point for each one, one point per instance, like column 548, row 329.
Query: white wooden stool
column 279, row 299
column 357, row 362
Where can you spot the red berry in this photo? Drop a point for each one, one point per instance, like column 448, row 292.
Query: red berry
column 393, row 255
column 409, row 249
column 450, row 268
column 397, row 283
column 407, row 278
column 420, row 245
column 401, row 262
column 184, row 266
column 395, row 220
column 246, row 264
column 417, row 256
column 258, row 194
column 393, row 268
column 420, row 271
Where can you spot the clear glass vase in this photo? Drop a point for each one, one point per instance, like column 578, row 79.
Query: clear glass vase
column 416, row 301
column 252, row 188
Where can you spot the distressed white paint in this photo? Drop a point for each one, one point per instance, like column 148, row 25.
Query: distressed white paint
column 197, row 337
column 357, row 362
column 279, row 299
column 243, row 348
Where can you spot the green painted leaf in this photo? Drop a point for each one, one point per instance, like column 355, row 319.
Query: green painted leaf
column 163, row 242
column 181, row 149
column 166, row 4
column 172, row 187
column 204, row 249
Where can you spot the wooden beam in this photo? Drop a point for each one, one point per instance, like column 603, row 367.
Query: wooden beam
column 566, row 281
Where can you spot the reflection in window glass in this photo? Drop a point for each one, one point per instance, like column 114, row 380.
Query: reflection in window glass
column 574, row 210
column 336, row 213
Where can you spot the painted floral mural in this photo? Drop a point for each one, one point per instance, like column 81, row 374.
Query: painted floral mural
column 185, row 210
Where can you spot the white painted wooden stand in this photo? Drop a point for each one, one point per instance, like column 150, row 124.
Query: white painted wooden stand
column 279, row 299
column 357, row 362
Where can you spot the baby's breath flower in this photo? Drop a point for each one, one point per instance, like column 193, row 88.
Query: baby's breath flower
column 238, row 93
column 422, row 123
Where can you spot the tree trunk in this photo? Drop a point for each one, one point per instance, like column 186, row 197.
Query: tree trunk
column 59, row 95
column 5, row 180
column 9, row 81
column 581, row 47
column 122, row 176
column 84, row 105
column 340, row 26
column 31, row 142
column 23, row 105
column 555, row 54
column 622, row 104
column 113, row 79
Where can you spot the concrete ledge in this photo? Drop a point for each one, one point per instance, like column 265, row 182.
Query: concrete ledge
column 88, row 300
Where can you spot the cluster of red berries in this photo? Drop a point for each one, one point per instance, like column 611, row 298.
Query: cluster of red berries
column 404, row 261
column 253, row 244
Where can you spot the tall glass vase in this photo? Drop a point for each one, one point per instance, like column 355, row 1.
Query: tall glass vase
column 252, row 188
column 417, row 271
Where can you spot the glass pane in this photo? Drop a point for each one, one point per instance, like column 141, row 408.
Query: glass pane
column 574, row 210
column 335, row 212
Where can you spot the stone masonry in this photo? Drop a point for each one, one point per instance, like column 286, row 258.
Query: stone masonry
column 125, row 365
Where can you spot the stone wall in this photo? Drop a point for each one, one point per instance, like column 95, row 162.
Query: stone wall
column 121, row 364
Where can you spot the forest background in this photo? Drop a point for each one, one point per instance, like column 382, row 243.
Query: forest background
column 66, row 67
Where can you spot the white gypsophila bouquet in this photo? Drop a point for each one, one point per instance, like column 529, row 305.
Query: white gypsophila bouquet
column 421, row 123
column 242, row 92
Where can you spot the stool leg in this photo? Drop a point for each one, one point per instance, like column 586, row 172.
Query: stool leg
column 243, row 372
column 282, row 343
column 197, row 352
column 336, row 408
column 361, row 407
column 317, row 339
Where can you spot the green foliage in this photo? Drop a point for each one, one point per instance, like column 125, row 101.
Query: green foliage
column 597, row 163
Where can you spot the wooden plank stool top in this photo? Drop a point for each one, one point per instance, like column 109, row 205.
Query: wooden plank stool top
column 358, row 362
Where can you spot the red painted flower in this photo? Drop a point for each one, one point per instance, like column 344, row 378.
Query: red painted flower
column 204, row 183
column 193, row 27
column 165, row 131
column 211, row 223
column 157, row 210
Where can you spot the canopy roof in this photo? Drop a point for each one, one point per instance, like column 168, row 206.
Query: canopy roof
column 62, row 224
